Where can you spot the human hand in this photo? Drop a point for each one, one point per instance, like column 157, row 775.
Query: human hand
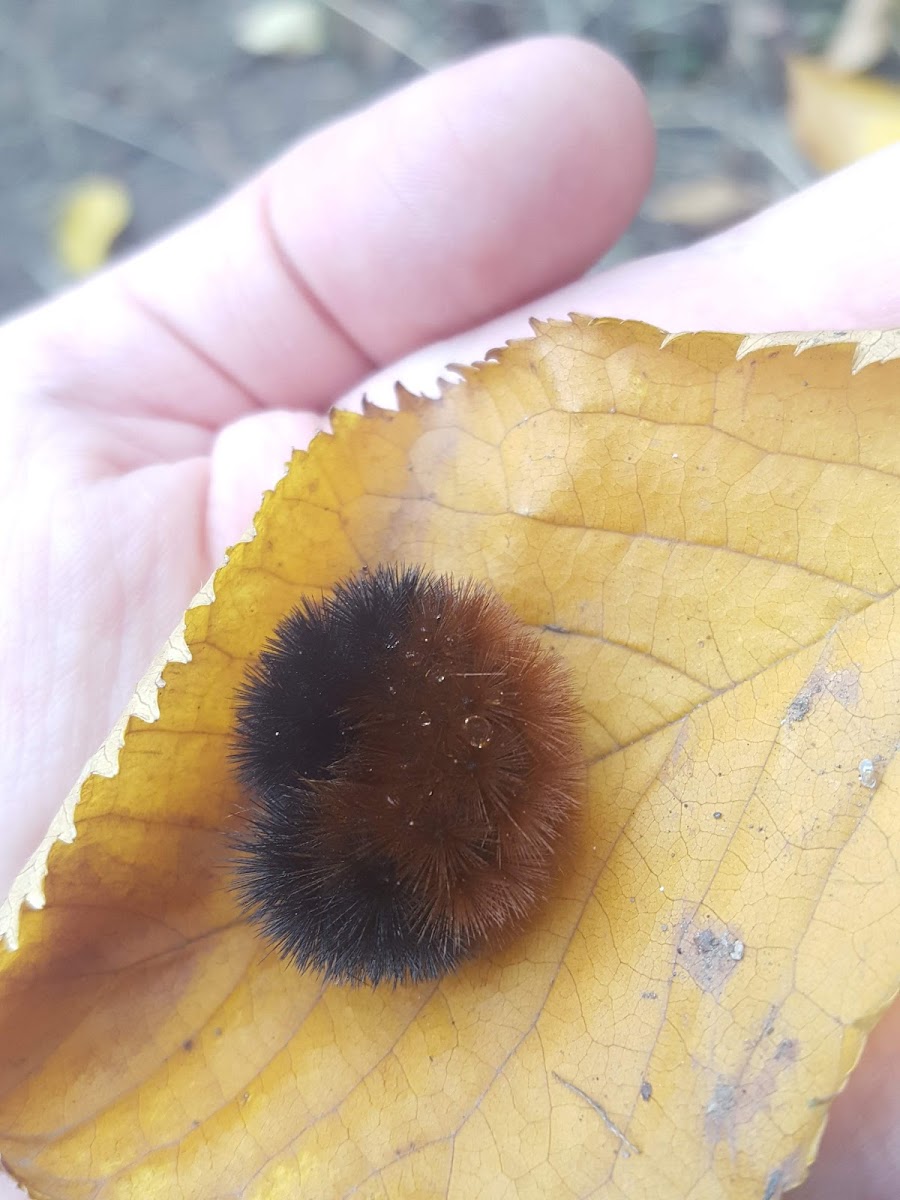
column 146, row 411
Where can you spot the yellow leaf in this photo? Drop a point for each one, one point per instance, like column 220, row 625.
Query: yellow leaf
column 703, row 203
column 707, row 530
column 291, row 28
column 863, row 34
column 93, row 214
column 837, row 118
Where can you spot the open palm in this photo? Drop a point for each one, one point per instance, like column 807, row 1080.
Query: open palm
column 146, row 411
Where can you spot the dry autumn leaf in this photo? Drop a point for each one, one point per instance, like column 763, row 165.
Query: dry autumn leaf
column 94, row 212
column 863, row 34
column 707, row 530
column 837, row 118
column 703, row 203
column 286, row 28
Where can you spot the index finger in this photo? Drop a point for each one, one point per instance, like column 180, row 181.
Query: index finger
column 446, row 203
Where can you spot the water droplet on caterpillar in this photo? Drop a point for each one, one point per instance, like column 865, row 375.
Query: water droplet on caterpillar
column 478, row 731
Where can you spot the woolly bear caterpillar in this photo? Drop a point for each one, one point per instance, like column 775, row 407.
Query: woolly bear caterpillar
column 411, row 762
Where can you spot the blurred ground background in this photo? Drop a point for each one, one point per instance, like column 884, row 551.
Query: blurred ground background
column 160, row 95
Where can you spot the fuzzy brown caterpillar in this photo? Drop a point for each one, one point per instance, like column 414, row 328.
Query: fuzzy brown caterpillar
column 410, row 755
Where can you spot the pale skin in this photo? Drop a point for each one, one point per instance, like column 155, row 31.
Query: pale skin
column 146, row 411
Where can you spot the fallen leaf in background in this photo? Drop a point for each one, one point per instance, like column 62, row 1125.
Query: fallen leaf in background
column 706, row 528
column 287, row 28
column 704, row 203
column 93, row 213
column 863, row 35
column 837, row 119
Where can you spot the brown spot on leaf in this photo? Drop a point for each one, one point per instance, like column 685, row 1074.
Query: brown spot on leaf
column 737, row 1102
column 710, row 956
column 719, row 1110
column 842, row 685
column 787, row 1051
